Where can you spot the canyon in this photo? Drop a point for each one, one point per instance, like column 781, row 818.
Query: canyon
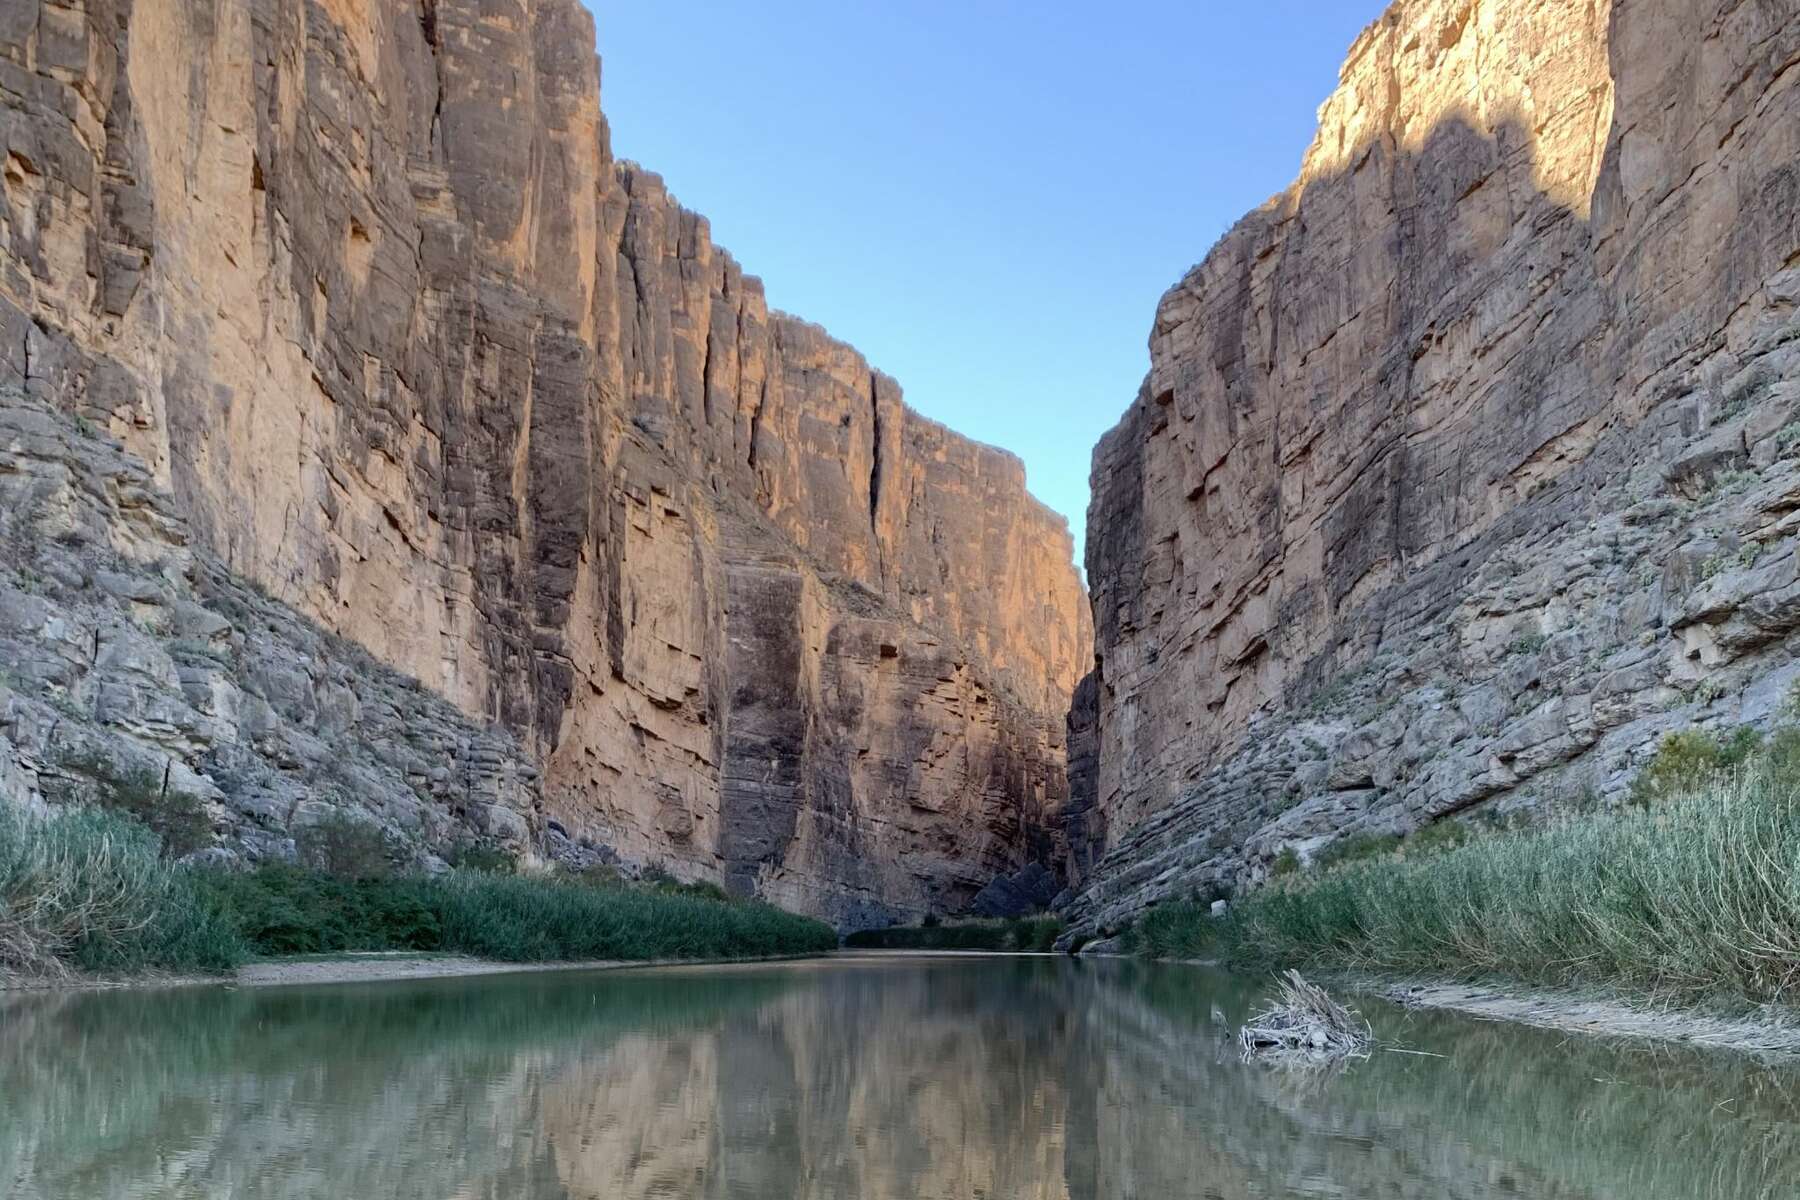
column 373, row 440
column 420, row 392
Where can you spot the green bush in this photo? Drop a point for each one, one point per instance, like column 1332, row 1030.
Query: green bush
column 90, row 889
column 515, row 918
column 345, row 846
column 1358, row 848
column 86, row 888
column 1034, row 934
column 485, row 856
column 1687, row 760
column 282, row 910
column 179, row 819
column 522, row 919
column 1436, row 837
column 1021, row 934
column 1181, row 930
column 701, row 890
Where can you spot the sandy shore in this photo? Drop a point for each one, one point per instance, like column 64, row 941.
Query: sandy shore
column 1596, row 1015
column 358, row 968
column 382, row 968
column 1575, row 1012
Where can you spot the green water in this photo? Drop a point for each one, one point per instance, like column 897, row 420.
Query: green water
column 851, row 1079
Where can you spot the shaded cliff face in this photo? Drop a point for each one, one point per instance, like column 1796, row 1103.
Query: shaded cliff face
column 1463, row 470
column 363, row 285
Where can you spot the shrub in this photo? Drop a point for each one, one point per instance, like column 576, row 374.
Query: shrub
column 1436, row 837
column 90, row 889
column 292, row 910
column 521, row 919
column 1021, row 934
column 1358, row 848
column 1286, row 863
column 600, row 875
column 702, row 890
column 485, row 856
column 1036, row 935
column 178, row 818
column 1185, row 929
column 1527, row 643
column 86, row 888
column 1686, row 760
column 971, row 935
column 346, row 846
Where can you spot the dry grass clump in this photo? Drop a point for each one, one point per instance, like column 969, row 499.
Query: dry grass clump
column 1302, row 1019
column 87, row 889
column 1694, row 899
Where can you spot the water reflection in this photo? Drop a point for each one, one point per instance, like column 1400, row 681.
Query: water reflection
column 912, row 1080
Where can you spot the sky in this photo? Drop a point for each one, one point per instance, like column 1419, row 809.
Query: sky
column 986, row 197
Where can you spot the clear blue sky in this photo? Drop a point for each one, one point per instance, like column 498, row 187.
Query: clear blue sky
column 986, row 197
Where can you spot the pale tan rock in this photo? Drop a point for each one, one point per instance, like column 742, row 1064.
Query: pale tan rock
column 364, row 286
column 1539, row 268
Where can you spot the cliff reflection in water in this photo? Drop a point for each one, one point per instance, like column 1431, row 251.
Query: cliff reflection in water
column 871, row 1078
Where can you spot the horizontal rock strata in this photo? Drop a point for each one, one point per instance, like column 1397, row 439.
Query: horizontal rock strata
column 364, row 286
column 132, row 661
column 1466, row 466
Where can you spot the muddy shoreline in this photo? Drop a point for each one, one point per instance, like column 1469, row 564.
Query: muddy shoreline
column 1767, row 1035
column 1764, row 1034
column 357, row 968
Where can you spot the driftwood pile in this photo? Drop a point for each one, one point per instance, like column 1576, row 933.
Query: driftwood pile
column 1304, row 1021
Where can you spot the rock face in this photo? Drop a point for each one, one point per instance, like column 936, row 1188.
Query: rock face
column 130, row 658
column 364, row 287
column 1465, row 467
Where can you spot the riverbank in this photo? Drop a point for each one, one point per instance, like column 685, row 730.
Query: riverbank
column 1690, row 900
column 1763, row 1035
column 1676, row 915
column 1768, row 1033
column 86, row 893
column 374, row 967
column 1018, row 935
column 396, row 966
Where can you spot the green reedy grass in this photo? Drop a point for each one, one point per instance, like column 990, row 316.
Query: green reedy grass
column 1695, row 899
column 512, row 918
column 87, row 889
column 1031, row 934
column 524, row 919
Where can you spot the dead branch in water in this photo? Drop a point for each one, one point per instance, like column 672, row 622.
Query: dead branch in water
column 1304, row 1020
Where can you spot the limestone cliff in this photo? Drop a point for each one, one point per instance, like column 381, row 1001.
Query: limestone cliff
column 1465, row 467
column 364, row 286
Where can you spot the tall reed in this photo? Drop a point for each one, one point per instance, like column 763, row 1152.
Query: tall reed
column 87, row 889
column 1697, row 897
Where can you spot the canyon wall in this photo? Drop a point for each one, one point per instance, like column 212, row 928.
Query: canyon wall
column 364, row 287
column 1465, row 467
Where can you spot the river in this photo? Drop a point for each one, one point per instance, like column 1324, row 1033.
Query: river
column 853, row 1078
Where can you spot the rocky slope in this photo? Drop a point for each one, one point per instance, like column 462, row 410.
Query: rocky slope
column 1466, row 467
column 131, row 662
column 364, row 287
